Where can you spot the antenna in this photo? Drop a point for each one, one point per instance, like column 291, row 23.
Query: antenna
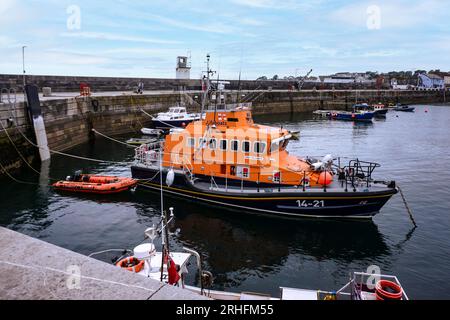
column 239, row 82
column 239, row 88
column 218, row 92
column 209, row 72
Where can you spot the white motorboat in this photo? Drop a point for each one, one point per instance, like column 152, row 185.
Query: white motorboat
column 176, row 117
column 152, row 132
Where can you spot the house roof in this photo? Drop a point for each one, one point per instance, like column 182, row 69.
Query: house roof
column 442, row 74
column 434, row 76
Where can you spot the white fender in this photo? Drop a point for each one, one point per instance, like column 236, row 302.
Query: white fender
column 170, row 177
column 328, row 159
column 317, row 165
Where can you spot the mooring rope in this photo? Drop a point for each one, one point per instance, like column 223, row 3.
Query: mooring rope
column 71, row 155
column 18, row 151
column 64, row 154
column 167, row 124
column 406, row 206
column 112, row 139
column 20, row 181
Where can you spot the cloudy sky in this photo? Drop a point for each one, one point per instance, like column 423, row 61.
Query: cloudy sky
column 259, row 37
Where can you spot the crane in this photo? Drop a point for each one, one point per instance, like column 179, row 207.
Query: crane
column 301, row 82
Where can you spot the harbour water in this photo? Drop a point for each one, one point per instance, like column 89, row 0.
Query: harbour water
column 257, row 253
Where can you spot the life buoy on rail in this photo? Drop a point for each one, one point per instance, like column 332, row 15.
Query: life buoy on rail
column 388, row 290
column 131, row 264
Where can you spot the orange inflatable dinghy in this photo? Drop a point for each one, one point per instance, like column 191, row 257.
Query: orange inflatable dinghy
column 88, row 183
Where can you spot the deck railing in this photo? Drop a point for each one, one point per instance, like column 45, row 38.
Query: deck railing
column 355, row 174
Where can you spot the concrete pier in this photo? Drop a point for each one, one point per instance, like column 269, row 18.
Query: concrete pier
column 32, row 269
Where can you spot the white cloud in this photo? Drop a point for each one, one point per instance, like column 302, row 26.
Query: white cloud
column 67, row 58
column 115, row 37
column 6, row 42
column 381, row 54
column 278, row 4
column 216, row 27
column 250, row 21
column 256, row 3
column 6, row 5
column 11, row 14
column 400, row 14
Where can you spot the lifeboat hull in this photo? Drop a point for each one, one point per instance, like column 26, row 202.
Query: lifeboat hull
column 270, row 200
column 96, row 184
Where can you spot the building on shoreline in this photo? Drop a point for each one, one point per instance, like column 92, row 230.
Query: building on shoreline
column 430, row 81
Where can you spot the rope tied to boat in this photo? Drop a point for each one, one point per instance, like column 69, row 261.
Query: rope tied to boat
column 112, row 139
column 407, row 207
column 153, row 118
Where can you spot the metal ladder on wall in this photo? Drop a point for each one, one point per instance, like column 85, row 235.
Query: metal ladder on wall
column 9, row 97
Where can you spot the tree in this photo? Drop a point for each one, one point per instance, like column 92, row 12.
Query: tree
column 275, row 77
column 261, row 78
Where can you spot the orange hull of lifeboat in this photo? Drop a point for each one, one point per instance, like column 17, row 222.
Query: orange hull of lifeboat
column 96, row 184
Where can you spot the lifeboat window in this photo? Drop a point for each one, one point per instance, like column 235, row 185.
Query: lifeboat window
column 191, row 142
column 259, row 147
column 234, row 145
column 201, row 142
column 212, row 143
column 223, row 145
column 275, row 146
column 246, row 146
column 232, row 119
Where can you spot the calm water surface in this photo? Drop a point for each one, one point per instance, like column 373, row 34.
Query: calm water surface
column 260, row 254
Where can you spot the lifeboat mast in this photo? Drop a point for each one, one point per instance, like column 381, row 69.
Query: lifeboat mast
column 207, row 85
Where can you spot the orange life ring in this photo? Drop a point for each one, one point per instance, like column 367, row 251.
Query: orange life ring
column 388, row 290
column 131, row 264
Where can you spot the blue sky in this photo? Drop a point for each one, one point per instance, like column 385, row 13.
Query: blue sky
column 259, row 37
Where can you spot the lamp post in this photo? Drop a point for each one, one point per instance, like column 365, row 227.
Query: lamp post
column 23, row 66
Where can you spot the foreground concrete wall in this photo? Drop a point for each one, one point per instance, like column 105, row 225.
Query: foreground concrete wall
column 33, row 269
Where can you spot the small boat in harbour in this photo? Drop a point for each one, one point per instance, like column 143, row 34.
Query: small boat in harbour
column 360, row 113
column 380, row 109
column 404, row 108
column 139, row 141
column 96, row 184
column 176, row 117
column 152, row 132
column 357, row 115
